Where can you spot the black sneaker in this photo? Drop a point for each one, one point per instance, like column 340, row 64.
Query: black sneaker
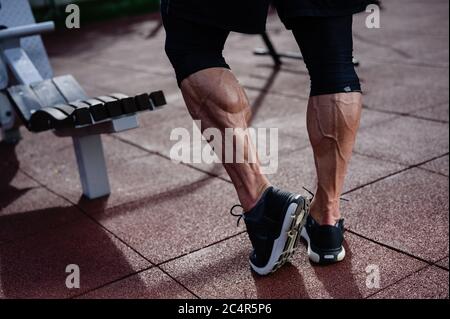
column 273, row 226
column 324, row 242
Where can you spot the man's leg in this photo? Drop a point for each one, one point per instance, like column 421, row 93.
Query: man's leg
column 333, row 116
column 334, row 108
column 332, row 122
column 212, row 94
column 215, row 97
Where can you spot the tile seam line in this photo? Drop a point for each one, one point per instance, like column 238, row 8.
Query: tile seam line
column 210, row 245
column 111, row 282
column 156, row 153
column 379, row 158
column 225, row 180
column 152, row 264
column 410, row 115
column 435, row 264
column 200, row 249
column 397, row 250
column 178, row 282
column 431, row 171
column 157, row 265
column 131, row 275
column 92, row 219
column 347, row 192
column 417, row 165
column 398, row 281
column 404, row 165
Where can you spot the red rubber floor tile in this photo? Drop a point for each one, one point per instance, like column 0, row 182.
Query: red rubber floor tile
column 405, row 99
column 408, row 211
column 370, row 118
column 176, row 222
column 11, row 179
column 438, row 113
column 133, row 44
column 29, row 211
column 14, row 181
column 404, row 140
column 297, row 170
column 26, row 208
column 35, row 267
column 159, row 141
column 402, row 41
column 222, row 271
column 133, row 173
column 156, row 127
column 429, row 283
column 150, row 284
column 378, row 75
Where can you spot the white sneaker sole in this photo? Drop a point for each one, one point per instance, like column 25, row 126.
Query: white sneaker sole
column 285, row 245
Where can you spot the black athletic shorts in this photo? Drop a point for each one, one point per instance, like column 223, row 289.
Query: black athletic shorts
column 326, row 44
column 249, row 16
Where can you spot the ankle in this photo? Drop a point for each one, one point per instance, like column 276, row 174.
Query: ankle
column 250, row 199
column 328, row 214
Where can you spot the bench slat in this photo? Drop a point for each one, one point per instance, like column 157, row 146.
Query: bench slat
column 47, row 93
column 112, row 105
column 69, row 88
column 143, row 102
column 158, row 98
column 48, row 118
column 128, row 103
column 25, row 100
column 82, row 113
column 97, row 109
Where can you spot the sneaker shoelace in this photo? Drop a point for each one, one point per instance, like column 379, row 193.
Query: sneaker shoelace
column 312, row 195
column 240, row 215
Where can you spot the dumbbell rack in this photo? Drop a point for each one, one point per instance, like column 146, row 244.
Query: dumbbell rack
column 86, row 138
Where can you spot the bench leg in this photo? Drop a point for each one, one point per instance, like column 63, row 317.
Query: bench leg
column 91, row 166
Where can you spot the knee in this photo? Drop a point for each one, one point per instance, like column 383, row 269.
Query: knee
column 333, row 77
column 187, row 62
column 216, row 88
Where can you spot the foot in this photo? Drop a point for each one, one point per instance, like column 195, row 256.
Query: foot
column 324, row 241
column 273, row 226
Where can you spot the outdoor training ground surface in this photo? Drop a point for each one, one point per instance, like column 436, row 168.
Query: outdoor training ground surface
column 165, row 231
